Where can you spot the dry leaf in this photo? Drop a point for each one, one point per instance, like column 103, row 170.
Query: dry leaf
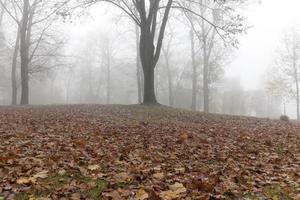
column 30, row 180
column 159, row 175
column 42, row 175
column 93, row 167
column 178, row 187
column 175, row 192
column 141, row 194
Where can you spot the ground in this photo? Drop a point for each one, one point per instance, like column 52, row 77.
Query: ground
column 138, row 152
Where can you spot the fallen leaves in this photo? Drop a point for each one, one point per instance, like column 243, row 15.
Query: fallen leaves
column 176, row 191
column 123, row 177
column 93, row 167
column 23, row 180
column 159, row 176
column 136, row 152
column 42, row 174
column 141, row 194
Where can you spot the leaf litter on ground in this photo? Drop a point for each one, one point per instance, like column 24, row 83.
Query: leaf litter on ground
column 139, row 152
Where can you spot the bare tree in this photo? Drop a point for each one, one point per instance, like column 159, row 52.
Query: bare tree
column 213, row 26
column 14, row 84
column 167, row 53
column 287, row 63
column 195, row 72
column 28, row 15
column 152, row 32
column 277, row 87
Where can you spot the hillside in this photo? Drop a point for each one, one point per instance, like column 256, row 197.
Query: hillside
column 136, row 152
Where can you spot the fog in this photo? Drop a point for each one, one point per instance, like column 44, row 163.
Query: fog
column 91, row 57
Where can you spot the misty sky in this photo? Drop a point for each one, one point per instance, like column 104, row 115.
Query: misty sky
column 268, row 21
column 257, row 48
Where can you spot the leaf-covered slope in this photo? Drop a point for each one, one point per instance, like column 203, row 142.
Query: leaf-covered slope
column 136, row 152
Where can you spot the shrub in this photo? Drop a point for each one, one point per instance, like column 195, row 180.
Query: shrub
column 284, row 118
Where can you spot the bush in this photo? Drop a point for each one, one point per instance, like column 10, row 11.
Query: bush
column 284, row 118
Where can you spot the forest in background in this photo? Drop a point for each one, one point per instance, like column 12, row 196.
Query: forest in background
column 99, row 63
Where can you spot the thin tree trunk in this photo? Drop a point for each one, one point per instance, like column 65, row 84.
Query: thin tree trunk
column 170, row 83
column 194, row 89
column 68, row 91
column 205, row 54
column 108, row 76
column 205, row 85
column 296, row 77
column 24, row 52
column 297, row 88
column 14, row 69
column 2, row 14
column 138, row 66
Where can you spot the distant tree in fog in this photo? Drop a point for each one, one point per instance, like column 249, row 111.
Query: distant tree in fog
column 212, row 32
column 287, row 67
column 277, row 87
column 167, row 53
column 234, row 98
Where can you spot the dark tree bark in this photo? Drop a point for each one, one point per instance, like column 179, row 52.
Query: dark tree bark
column 149, row 53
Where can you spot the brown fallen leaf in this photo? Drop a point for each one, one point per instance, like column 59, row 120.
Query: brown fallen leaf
column 123, row 177
column 113, row 195
column 30, row 180
column 93, row 167
column 42, row 175
column 141, row 194
column 159, row 176
column 175, row 192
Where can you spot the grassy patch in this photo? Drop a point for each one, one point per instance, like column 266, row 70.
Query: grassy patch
column 57, row 181
column 276, row 193
column 280, row 148
column 22, row 196
column 96, row 191
column 270, row 192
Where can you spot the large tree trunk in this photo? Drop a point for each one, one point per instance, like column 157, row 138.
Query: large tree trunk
column 24, row 52
column 14, row 70
column 194, row 89
column 149, row 53
column 149, row 89
column 147, row 59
